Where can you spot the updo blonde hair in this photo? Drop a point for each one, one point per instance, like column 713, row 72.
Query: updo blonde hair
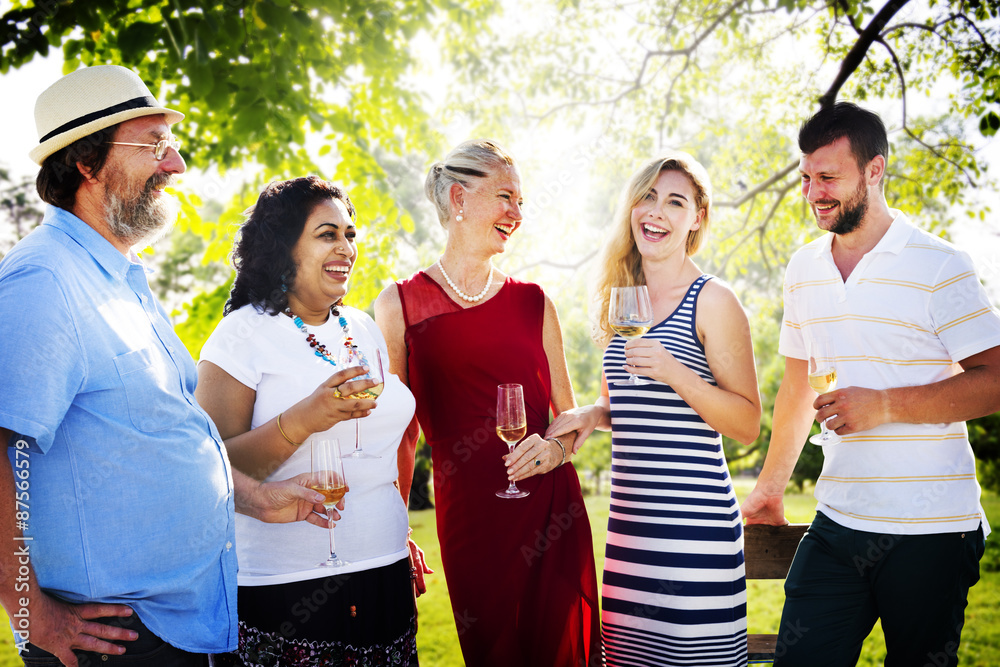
column 469, row 160
column 621, row 264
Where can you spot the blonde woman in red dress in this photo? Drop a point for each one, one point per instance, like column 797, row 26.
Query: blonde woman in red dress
column 520, row 572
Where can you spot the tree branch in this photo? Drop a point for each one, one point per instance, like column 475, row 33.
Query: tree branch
column 760, row 229
column 766, row 185
column 558, row 265
column 688, row 50
column 856, row 55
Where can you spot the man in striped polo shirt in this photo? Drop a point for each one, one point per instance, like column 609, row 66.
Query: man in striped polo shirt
column 915, row 344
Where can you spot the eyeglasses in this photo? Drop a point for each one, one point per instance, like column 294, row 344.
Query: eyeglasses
column 160, row 148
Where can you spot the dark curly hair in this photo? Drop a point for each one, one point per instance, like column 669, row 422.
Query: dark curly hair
column 262, row 254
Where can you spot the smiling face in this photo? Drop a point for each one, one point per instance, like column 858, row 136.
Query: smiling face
column 835, row 187
column 324, row 256
column 492, row 207
column 136, row 208
column 664, row 217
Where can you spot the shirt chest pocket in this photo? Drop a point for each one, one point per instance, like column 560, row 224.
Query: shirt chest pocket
column 152, row 390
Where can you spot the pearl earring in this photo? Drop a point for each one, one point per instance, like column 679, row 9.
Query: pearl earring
column 459, row 217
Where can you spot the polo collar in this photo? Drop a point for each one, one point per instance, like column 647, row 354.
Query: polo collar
column 893, row 241
column 105, row 254
column 898, row 234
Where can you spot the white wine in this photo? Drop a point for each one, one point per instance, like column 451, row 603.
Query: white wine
column 513, row 434
column 823, row 380
column 371, row 392
column 332, row 494
column 629, row 331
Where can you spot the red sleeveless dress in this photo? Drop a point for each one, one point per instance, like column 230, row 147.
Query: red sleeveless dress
column 520, row 572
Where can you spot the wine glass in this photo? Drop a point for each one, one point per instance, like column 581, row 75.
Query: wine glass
column 327, row 477
column 512, row 425
column 823, row 379
column 352, row 356
column 630, row 314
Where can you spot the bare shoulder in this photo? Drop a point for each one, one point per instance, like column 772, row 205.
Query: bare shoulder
column 720, row 315
column 718, row 298
column 388, row 303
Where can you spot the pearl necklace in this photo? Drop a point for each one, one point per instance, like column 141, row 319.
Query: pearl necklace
column 454, row 287
column 318, row 348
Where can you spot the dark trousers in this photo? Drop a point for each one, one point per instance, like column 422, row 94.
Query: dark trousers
column 147, row 650
column 842, row 580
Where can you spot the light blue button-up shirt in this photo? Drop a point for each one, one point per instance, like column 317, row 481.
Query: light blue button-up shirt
column 129, row 492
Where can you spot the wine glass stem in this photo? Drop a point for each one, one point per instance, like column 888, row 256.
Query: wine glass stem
column 357, row 435
column 513, row 485
column 333, row 551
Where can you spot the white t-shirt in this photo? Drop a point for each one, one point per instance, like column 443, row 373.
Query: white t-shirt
column 270, row 355
column 907, row 314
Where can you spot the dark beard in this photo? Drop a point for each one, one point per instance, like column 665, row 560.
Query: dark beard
column 143, row 217
column 852, row 213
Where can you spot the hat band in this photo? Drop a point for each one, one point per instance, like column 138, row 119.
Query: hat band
column 135, row 103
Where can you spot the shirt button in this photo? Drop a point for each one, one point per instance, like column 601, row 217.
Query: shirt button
column 229, row 545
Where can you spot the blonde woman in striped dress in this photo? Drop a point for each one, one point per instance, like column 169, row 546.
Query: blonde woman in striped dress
column 674, row 588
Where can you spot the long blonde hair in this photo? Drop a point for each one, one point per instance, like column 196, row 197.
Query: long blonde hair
column 621, row 263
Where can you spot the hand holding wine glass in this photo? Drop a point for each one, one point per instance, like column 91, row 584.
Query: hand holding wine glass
column 327, row 477
column 352, row 356
column 630, row 314
column 823, row 379
column 512, row 425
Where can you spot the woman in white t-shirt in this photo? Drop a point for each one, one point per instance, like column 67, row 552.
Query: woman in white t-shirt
column 269, row 377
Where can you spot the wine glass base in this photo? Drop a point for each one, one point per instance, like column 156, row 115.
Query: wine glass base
column 338, row 562
column 361, row 454
column 633, row 381
column 508, row 493
column 822, row 441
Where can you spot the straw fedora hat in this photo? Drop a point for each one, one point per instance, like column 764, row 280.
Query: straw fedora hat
column 88, row 100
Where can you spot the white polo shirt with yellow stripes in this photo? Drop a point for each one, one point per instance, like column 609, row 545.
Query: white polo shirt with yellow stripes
column 911, row 309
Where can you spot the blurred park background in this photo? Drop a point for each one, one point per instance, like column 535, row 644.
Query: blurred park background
column 369, row 94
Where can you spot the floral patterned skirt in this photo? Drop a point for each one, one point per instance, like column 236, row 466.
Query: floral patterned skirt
column 363, row 619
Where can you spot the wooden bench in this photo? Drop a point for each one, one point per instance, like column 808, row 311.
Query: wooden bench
column 768, row 552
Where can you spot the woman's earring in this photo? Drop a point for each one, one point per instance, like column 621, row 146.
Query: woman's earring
column 459, row 217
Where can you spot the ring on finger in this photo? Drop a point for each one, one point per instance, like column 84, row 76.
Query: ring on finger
column 336, row 392
column 537, row 462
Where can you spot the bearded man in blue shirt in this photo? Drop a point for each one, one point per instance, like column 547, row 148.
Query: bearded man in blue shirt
column 119, row 512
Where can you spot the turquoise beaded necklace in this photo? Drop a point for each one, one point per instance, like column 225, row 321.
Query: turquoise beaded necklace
column 318, row 348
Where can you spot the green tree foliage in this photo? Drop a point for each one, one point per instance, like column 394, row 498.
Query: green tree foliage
column 290, row 86
column 19, row 207
column 985, row 436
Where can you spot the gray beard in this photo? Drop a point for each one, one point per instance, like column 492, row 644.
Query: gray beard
column 144, row 219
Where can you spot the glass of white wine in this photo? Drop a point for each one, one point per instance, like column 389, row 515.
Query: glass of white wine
column 512, row 426
column 630, row 314
column 352, row 356
column 823, row 379
column 327, row 477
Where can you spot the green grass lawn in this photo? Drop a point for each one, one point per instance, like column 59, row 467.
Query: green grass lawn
column 438, row 642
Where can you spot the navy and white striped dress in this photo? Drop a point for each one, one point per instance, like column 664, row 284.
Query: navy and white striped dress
column 674, row 588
